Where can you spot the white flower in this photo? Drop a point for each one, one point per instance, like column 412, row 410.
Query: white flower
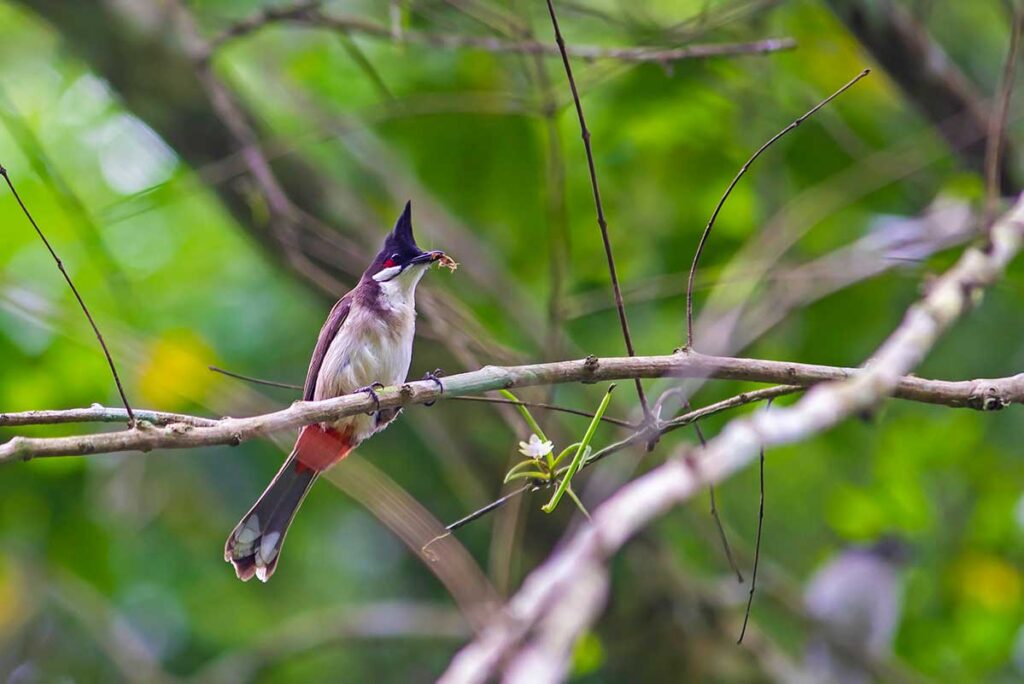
column 535, row 448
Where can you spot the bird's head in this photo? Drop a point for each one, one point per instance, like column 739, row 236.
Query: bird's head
column 401, row 259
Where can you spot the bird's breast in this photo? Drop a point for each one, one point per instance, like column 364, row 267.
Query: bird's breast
column 371, row 346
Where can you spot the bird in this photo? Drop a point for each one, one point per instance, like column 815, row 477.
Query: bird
column 365, row 344
column 858, row 598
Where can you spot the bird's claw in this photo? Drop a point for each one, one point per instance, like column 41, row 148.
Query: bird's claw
column 434, row 376
column 371, row 389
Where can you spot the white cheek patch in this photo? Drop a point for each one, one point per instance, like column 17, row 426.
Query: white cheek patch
column 387, row 274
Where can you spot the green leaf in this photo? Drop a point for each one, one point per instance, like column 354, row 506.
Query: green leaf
column 529, row 474
column 576, row 500
column 563, row 485
column 528, row 463
column 565, row 452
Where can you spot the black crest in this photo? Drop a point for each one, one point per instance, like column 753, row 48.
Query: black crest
column 399, row 246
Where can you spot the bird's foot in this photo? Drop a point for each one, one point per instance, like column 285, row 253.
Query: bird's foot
column 371, row 389
column 434, row 376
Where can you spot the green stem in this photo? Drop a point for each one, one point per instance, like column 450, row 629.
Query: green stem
column 580, row 451
column 526, row 415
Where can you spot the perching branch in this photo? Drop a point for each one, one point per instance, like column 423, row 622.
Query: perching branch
column 485, row 400
column 574, row 579
column 309, row 14
column 979, row 394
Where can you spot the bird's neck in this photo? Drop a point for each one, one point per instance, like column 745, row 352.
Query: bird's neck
column 397, row 293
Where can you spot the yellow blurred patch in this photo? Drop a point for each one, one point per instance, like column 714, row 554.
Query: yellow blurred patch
column 988, row 581
column 176, row 371
column 15, row 606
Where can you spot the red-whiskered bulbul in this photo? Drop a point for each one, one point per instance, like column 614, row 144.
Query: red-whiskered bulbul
column 366, row 342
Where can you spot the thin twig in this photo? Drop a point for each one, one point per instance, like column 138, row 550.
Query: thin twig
column 714, row 509
column 494, row 505
column 721, row 202
column 757, row 541
column 256, row 381
column 997, row 121
column 548, row 407
column 307, row 14
column 601, row 222
column 74, row 290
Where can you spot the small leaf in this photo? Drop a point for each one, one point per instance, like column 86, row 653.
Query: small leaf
column 528, row 463
column 529, row 474
column 565, row 452
column 579, row 504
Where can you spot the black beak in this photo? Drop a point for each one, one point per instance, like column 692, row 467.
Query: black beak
column 426, row 257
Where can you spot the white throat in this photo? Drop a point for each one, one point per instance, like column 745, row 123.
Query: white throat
column 401, row 290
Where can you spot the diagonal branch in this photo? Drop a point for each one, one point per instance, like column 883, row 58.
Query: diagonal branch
column 574, row 580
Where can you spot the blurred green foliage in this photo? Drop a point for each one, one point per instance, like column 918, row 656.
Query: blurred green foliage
column 110, row 557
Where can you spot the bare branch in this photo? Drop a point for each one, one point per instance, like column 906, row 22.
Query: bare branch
column 546, row 590
column 722, row 536
column 979, row 394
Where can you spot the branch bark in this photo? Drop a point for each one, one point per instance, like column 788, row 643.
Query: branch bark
column 172, row 431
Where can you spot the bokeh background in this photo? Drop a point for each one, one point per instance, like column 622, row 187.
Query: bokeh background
column 111, row 566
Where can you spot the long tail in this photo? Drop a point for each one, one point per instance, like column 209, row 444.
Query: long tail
column 254, row 546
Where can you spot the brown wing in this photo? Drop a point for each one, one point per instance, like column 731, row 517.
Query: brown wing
column 327, row 333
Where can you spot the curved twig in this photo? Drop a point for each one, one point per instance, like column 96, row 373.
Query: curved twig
column 721, row 202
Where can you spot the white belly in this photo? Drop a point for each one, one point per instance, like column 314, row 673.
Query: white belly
column 367, row 349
